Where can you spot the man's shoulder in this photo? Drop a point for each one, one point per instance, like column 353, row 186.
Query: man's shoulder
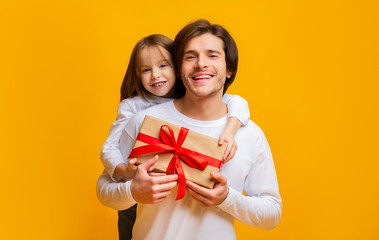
column 251, row 130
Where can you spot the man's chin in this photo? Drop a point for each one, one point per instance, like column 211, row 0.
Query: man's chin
column 202, row 93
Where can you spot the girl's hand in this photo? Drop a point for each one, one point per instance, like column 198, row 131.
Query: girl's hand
column 230, row 149
column 127, row 171
column 131, row 169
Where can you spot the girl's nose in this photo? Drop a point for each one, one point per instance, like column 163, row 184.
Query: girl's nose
column 155, row 75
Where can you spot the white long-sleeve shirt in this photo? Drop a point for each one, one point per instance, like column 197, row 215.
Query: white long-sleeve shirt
column 251, row 170
column 110, row 152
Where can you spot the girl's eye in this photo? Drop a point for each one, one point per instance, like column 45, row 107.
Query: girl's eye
column 145, row 70
column 163, row 65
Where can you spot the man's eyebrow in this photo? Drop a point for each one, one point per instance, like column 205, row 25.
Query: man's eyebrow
column 214, row 51
column 189, row 51
column 208, row 50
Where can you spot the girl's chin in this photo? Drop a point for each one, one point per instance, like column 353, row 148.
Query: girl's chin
column 161, row 94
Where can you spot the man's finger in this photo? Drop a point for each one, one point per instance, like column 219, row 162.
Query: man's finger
column 165, row 187
column 219, row 178
column 149, row 163
column 155, row 174
column 200, row 198
column 153, row 167
column 165, row 179
column 161, row 199
column 161, row 194
column 198, row 189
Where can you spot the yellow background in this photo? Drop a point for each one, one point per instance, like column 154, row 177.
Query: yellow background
column 309, row 70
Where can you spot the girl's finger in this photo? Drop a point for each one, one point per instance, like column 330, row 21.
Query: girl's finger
column 227, row 152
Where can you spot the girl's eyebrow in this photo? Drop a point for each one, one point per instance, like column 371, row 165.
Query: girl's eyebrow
column 160, row 61
column 163, row 60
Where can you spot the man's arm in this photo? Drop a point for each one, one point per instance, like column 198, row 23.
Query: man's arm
column 262, row 205
column 142, row 189
column 210, row 197
column 112, row 194
column 149, row 189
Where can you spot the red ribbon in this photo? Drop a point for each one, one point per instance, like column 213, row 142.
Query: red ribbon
column 166, row 144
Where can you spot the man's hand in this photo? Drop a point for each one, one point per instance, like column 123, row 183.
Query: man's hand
column 210, row 197
column 151, row 189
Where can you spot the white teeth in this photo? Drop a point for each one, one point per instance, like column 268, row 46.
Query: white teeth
column 202, row 77
column 159, row 84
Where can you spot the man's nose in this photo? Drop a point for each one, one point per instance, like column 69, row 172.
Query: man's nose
column 201, row 63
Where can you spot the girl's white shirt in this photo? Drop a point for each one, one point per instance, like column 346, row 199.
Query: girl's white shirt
column 110, row 152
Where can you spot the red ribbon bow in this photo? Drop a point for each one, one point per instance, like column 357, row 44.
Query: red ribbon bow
column 167, row 143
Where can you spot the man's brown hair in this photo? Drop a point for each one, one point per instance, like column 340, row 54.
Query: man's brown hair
column 201, row 27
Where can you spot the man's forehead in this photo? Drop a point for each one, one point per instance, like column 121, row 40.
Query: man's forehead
column 205, row 42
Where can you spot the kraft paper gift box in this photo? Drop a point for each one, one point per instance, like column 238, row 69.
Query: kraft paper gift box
column 194, row 142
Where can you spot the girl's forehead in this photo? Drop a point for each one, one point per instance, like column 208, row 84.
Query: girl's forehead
column 154, row 53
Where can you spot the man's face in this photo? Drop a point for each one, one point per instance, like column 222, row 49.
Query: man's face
column 203, row 69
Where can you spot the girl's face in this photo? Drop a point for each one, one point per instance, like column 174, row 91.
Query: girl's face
column 156, row 71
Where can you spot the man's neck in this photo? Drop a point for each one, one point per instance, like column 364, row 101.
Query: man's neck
column 202, row 108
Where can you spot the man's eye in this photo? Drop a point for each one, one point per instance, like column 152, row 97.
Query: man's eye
column 213, row 56
column 190, row 57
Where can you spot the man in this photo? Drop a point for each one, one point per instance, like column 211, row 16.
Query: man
column 206, row 58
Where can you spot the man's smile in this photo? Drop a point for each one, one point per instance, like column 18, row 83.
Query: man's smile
column 200, row 76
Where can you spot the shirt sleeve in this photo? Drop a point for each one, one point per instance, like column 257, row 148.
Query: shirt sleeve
column 110, row 152
column 261, row 206
column 117, row 195
column 112, row 194
column 237, row 107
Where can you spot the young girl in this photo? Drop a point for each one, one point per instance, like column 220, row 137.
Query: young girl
column 150, row 79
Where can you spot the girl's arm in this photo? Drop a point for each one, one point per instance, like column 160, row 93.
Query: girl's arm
column 239, row 115
column 111, row 157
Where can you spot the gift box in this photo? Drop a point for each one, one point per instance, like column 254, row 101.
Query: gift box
column 189, row 154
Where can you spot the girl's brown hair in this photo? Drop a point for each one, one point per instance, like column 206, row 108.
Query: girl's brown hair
column 132, row 85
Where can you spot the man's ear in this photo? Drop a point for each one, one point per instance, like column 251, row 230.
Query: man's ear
column 229, row 74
